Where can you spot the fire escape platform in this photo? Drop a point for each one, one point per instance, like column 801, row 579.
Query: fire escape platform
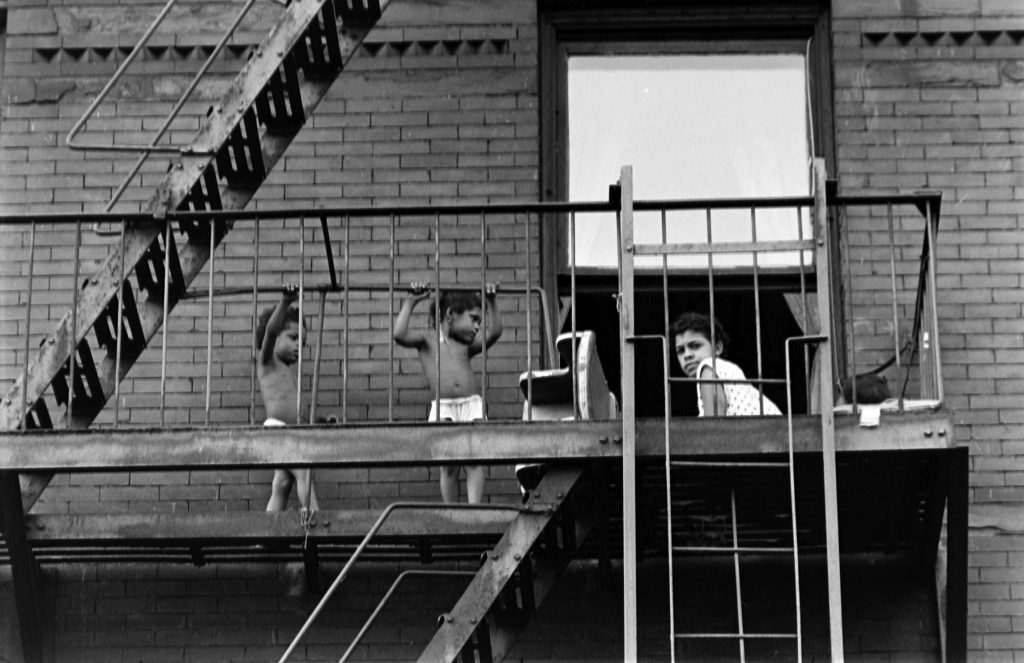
column 493, row 442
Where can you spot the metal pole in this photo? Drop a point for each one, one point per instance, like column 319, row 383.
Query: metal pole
column 255, row 299
column 28, row 326
column 73, row 360
column 895, row 304
column 391, row 326
column 757, row 311
column 827, row 417
column 316, row 360
column 736, row 571
column 483, row 306
column 120, row 329
column 627, row 352
column 437, row 311
column 529, row 324
column 302, row 320
column 166, row 308
column 209, row 320
column 344, row 334
column 711, row 308
column 572, row 312
column 932, row 300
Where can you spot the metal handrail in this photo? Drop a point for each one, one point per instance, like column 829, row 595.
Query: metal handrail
column 394, row 506
column 387, row 597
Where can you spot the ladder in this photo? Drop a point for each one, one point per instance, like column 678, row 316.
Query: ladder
column 629, row 251
column 241, row 140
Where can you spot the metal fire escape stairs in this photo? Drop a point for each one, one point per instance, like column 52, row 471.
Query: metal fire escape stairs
column 241, row 140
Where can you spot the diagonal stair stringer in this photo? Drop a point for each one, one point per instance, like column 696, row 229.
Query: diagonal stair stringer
column 517, row 574
column 244, row 135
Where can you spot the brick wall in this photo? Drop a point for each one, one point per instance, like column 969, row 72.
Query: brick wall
column 438, row 107
column 931, row 94
column 441, row 107
column 246, row 612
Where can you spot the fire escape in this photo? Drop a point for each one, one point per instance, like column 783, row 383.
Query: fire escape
column 568, row 514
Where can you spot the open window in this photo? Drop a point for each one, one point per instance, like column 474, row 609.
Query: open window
column 724, row 100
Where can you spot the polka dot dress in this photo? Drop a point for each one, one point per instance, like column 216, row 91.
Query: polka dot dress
column 744, row 399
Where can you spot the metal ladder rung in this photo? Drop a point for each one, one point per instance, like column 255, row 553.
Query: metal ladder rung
column 737, row 636
column 150, row 270
column 318, row 53
column 279, row 103
column 38, row 416
column 726, row 463
column 133, row 337
column 731, row 549
column 360, row 13
column 240, row 158
column 89, row 396
column 203, row 196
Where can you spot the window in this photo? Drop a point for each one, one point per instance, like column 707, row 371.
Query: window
column 699, row 125
column 713, row 100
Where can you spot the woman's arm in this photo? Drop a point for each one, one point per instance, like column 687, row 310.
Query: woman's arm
column 712, row 394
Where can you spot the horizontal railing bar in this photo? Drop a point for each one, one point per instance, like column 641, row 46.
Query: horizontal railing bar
column 739, row 636
column 726, row 381
column 539, row 207
column 724, row 463
column 929, row 197
column 327, row 287
column 716, row 550
column 723, row 247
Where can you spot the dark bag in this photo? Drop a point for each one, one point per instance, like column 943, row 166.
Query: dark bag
column 871, row 388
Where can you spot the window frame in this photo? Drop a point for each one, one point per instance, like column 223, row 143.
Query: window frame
column 565, row 29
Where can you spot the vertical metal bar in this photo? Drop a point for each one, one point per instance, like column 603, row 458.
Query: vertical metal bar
column 666, row 350
column 120, row 331
column 757, row 310
column 391, row 325
column 850, row 322
column 209, row 321
column 808, row 387
column 302, row 320
column 628, row 355
column 895, row 304
column 828, row 442
column 483, row 305
column 572, row 312
column 255, row 303
column 437, row 311
column 711, row 309
column 933, row 301
column 344, row 333
column 529, row 322
column 736, row 571
column 792, row 501
column 73, row 360
column 28, row 325
column 166, row 308
column 316, row 359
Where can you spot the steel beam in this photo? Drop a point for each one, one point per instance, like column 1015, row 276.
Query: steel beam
column 257, row 526
column 437, row 444
column 24, row 572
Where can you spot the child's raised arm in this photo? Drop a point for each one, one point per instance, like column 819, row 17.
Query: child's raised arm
column 492, row 322
column 410, row 339
column 289, row 294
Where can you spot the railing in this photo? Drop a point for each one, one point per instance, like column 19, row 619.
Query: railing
column 884, row 288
